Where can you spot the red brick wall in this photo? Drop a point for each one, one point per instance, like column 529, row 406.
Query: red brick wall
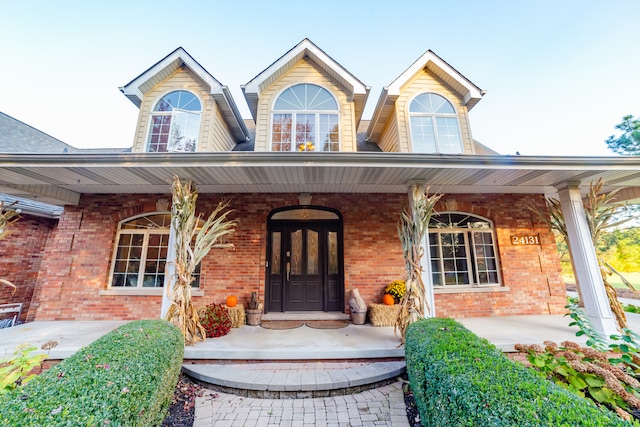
column 22, row 252
column 78, row 255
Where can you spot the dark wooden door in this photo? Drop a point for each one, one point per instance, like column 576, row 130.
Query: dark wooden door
column 304, row 267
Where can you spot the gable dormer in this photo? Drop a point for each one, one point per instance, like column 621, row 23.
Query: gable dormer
column 425, row 110
column 183, row 108
column 306, row 101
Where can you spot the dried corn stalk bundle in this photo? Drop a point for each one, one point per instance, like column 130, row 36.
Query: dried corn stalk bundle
column 600, row 211
column 207, row 236
column 412, row 229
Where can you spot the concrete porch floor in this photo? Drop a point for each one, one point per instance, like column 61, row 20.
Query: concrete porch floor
column 303, row 343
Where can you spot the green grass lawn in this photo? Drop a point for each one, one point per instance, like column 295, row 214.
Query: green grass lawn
column 614, row 280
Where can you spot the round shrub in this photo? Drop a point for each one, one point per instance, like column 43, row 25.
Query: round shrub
column 215, row 320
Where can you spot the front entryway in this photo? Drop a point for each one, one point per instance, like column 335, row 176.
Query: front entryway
column 304, row 261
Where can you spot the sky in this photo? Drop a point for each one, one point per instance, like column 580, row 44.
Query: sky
column 559, row 75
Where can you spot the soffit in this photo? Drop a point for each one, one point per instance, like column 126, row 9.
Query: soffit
column 61, row 179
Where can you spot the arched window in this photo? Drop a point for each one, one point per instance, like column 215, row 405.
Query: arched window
column 305, row 118
column 175, row 123
column 434, row 125
column 463, row 251
column 140, row 254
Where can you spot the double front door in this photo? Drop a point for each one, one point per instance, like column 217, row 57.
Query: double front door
column 304, row 266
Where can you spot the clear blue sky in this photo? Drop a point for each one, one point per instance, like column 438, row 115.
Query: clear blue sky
column 559, row 75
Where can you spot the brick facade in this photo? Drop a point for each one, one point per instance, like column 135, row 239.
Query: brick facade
column 75, row 267
column 22, row 252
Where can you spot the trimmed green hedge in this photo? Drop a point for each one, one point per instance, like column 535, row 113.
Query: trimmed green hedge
column 459, row 379
column 125, row 378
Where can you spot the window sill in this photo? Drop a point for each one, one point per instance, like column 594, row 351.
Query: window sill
column 143, row 292
column 469, row 289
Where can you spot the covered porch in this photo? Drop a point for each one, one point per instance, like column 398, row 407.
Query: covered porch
column 69, row 179
column 302, row 343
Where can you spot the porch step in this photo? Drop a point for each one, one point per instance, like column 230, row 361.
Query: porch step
column 305, row 315
column 286, row 380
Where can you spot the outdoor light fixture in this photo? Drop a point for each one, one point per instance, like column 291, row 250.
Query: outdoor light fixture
column 304, row 199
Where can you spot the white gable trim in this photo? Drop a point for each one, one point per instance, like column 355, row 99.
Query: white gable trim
column 356, row 89
column 470, row 92
column 170, row 63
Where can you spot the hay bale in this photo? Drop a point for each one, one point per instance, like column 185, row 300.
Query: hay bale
column 384, row 315
column 237, row 315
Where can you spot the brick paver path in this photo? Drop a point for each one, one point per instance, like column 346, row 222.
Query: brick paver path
column 382, row 406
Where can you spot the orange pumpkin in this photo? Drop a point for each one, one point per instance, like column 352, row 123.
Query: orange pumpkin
column 388, row 299
column 232, row 300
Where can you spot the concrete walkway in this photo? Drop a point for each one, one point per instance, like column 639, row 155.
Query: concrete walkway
column 382, row 406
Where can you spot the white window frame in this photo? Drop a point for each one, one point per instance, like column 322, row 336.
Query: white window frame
column 143, row 256
column 473, row 272
column 295, row 113
column 434, row 117
column 173, row 113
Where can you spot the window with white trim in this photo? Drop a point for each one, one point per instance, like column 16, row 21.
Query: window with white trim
column 140, row 254
column 463, row 250
column 175, row 123
column 305, row 118
column 434, row 125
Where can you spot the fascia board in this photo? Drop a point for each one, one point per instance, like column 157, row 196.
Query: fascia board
column 385, row 102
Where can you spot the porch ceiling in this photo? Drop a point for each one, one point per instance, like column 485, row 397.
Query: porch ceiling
column 61, row 178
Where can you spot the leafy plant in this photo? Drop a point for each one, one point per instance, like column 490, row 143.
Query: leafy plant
column 15, row 371
column 604, row 371
column 396, row 289
column 215, row 320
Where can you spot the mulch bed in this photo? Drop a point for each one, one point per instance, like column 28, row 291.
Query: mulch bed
column 183, row 407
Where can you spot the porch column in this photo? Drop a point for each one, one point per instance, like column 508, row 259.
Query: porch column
column 169, row 271
column 425, row 262
column 585, row 261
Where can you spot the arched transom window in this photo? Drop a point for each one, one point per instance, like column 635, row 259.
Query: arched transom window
column 463, row 250
column 305, row 118
column 434, row 125
column 140, row 254
column 175, row 123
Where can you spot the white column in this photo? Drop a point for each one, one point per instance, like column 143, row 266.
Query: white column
column 169, row 271
column 430, row 306
column 585, row 261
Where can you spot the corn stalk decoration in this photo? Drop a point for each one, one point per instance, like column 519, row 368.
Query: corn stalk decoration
column 600, row 211
column 7, row 217
column 412, row 229
column 205, row 237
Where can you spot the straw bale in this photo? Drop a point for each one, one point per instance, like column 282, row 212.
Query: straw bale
column 384, row 315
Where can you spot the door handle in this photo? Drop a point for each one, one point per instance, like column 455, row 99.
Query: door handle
column 288, row 271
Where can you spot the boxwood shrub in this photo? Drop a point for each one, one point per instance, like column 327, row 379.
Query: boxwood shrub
column 125, row 378
column 459, row 379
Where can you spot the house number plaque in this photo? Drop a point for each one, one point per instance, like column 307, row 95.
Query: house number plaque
column 529, row 239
